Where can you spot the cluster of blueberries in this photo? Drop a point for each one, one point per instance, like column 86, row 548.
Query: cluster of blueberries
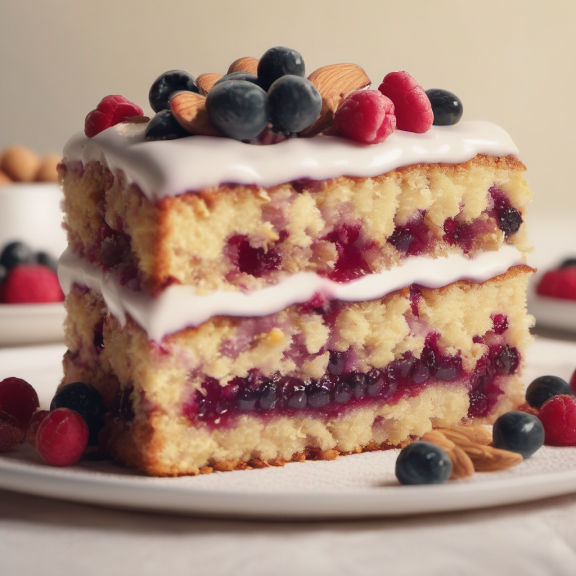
column 241, row 105
column 516, row 431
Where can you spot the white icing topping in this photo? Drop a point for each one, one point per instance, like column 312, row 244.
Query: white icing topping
column 179, row 307
column 168, row 168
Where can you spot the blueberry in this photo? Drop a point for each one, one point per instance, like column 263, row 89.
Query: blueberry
column 14, row 254
column 336, row 362
column 277, row 62
column 164, row 127
column 45, row 259
column 267, row 394
column 86, row 400
column 319, row 393
column 544, row 388
column 518, row 432
column 447, row 107
column 239, row 76
column 423, row 463
column 509, row 221
column 168, row 83
column 296, row 399
column 507, row 361
column 342, row 393
column 246, row 400
column 3, row 273
column 357, row 381
column 375, row 382
column 238, row 108
column 295, row 103
column 568, row 262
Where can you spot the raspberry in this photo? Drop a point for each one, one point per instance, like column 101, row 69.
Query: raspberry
column 19, row 399
column 11, row 434
column 35, row 422
column 559, row 283
column 31, row 284
column 110, row 111
column 413, row 109
column 62, row 437
column 558, row 415
column 365, row 116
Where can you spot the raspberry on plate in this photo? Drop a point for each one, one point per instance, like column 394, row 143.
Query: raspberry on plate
column 558, row 415
column 412, row 105
column 62, row 437
column 559, row 283
column 31, row 284
column 365, row 116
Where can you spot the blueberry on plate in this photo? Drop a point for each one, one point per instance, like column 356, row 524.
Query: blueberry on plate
column 544, row 387
column 164, row 127
column 295, row 103
column 568, row 262
column 14, row 254
column 239, row 76
column 423, row 463
column 518, row 432
column 86, row 400
column 45, row 259
column 168, row 83
column 238, row 108
column 277, row 62
column 446, row 107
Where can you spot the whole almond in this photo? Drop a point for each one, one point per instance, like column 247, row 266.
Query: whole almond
column 47, row 170
column 334, row 82
column 189, row 109
column 19, row 163
column 490, row 459
column 205, row 82
column 462, row 465
column 476, row 434
column 436, row 437
column 244, row 64
column 4, row 180
column 456, row 436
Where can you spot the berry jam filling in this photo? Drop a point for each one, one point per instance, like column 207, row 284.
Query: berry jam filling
column 463, row 234
column 253, row 260
column 413, row 238
column 349, row 245
column 329, row 395
column 508, row 218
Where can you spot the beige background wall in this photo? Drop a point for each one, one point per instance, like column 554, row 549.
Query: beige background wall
column 511, row 62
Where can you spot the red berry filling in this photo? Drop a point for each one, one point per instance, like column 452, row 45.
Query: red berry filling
column 365, row 116
column 509, row 219
column 254, row 260
column 350, row 247
column 413, row 238
column 411, row 104
column 558, row 416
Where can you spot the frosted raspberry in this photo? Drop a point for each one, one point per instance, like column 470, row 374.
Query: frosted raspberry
column 31, row 284
column 413, row 108
column 19, row 399
column 365, row 116
column 35, row 422
column 558, row 415
column 11, row 434
column 559, row 283
column 110, row 111
column 62, row 437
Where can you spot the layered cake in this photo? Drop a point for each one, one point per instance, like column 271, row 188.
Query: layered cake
column 242, row 302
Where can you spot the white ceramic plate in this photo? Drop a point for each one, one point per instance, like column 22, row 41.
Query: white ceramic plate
column 31, row 323
column 361, row 485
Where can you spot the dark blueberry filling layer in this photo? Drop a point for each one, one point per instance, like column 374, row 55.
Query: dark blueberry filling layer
column 340, row 389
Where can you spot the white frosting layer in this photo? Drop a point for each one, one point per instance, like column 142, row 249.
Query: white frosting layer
column 179, row 307
column 168, row 168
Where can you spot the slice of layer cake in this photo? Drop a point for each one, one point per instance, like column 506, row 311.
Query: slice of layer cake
column 247, row 305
